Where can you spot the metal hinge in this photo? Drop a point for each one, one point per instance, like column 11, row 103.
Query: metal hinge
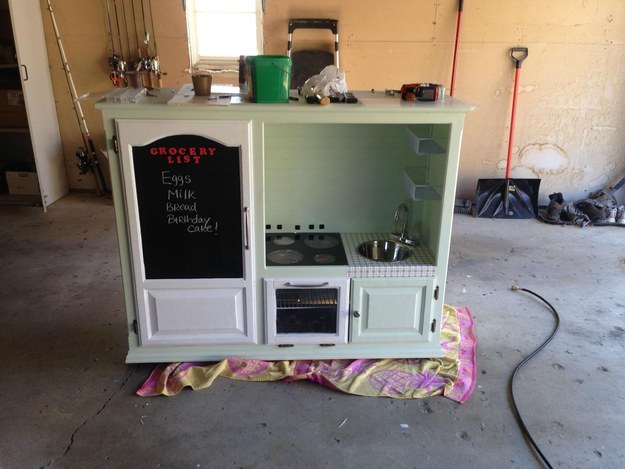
column 115, row 144
column 436, row 293
column 433, row 328
column 135, row 327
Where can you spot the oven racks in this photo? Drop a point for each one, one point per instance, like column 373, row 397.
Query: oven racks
column 303, row 298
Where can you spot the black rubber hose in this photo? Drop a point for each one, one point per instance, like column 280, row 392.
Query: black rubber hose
column 515, row 409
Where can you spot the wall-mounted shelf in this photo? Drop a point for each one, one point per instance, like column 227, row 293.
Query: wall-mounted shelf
column 416, row 184
column 426, row 145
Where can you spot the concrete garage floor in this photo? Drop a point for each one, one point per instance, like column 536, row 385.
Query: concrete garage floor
column 67, row 398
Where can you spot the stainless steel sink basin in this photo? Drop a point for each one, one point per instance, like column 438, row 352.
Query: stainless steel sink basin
column 383, row 250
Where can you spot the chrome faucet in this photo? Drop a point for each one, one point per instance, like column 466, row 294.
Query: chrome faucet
column 401, row 216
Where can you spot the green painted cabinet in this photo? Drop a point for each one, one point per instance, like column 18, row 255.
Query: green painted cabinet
column 393, row 310
column 336, row 172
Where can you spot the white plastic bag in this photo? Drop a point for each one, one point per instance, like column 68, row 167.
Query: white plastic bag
column 329, row 82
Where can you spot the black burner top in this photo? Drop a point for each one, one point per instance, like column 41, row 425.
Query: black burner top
column 305, row 249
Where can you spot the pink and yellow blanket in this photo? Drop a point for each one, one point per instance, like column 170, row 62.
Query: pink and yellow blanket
column 452, row 375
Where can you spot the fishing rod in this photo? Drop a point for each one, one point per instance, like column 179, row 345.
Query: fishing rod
column 119, row 30
column 87, row 162
column 114, row 60
column 127, row 33
column 147, row 61
column 109, row 27
column 152, row 26
column 121, row 64
column 139, row 64
column 155, row 65
column 146, row 41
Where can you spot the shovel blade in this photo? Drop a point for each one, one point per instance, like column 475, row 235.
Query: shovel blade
column 507, row 198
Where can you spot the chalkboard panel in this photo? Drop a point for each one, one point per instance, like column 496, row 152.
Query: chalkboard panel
column 190, row 211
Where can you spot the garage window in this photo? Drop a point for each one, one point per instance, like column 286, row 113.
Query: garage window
column 222, row 30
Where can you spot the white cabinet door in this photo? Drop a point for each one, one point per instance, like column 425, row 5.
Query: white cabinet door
column 187, row 191
column 39, row 99
column 391, row 310
column 195, row 316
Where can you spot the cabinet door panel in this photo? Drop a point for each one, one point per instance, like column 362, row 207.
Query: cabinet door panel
column 187, row 191
column 195, row 316
column 391, row 310
column 39, row 99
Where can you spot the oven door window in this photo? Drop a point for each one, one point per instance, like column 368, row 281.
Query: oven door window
column 306, row 310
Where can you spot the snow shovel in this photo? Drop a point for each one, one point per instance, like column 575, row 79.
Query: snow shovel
column 509, row 198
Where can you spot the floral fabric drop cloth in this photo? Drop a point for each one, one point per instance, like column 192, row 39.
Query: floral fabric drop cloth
column 452, row 375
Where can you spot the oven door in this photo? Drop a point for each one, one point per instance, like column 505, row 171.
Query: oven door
column 307, row 311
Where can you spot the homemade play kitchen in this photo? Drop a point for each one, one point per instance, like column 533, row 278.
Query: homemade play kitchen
column 283, row 231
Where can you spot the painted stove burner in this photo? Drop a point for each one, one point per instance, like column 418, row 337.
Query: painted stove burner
column 305, row 249
column 324, row 259
column 283, row 240
column 285, row 256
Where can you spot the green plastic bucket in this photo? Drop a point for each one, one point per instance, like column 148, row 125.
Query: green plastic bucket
column 268, row 78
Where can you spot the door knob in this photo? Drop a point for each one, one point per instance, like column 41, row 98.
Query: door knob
column 356, row 314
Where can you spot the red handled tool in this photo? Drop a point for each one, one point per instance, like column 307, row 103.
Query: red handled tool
column 518, row 55
column 453, row 68
column 509, row 198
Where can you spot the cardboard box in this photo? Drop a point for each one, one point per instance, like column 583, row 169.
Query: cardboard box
column 22, row 183
column 12, row 109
